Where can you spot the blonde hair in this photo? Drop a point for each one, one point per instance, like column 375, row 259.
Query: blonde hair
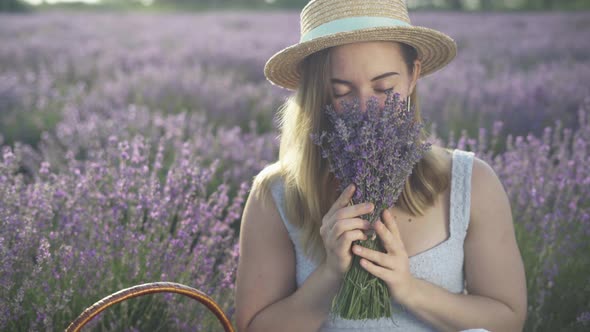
column 309, row 187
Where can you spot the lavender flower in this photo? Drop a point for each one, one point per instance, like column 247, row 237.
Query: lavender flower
column 104, row 224
column 74, row 92
column 376, row 150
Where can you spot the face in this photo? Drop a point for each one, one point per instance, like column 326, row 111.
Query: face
column 362, row 70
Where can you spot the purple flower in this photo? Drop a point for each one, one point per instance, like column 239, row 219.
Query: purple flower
column 376, row 150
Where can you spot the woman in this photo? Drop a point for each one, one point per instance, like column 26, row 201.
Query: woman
column 452, row 261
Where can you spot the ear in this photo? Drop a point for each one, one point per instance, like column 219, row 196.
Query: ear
column 415, row 75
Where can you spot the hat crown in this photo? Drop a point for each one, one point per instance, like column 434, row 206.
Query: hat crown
column 318, row 12
column 330, row 23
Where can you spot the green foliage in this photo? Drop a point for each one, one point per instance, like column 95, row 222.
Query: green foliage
column 290, row 3
column 26, row 126
column 13, row 6
column 562, row 304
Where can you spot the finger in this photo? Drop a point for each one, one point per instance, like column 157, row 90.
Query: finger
column 344, row 225
column 345, row 241
column 352, row 211
column 342, row 200
column 377, row 257
column 397, row 245
column 376, row 270
column 386, row 237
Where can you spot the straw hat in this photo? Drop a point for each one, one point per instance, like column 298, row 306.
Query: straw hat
column 327, row 23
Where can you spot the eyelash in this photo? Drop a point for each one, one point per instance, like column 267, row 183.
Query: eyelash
column 381, row 91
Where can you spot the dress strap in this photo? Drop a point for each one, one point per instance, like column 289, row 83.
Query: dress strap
column 462, row 163
column 278, row 194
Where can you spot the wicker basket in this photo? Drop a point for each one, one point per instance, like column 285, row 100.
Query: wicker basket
column 150, row 288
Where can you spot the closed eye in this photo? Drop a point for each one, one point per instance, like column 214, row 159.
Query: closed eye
column 376, row 90
column 384, row 91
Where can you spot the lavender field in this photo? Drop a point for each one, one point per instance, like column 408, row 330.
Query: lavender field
column 129, row 142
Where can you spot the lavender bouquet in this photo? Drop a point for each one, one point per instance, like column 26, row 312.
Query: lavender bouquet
column 376, row 150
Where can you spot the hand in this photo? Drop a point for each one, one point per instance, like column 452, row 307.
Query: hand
column 340, row 228
column 392, row 266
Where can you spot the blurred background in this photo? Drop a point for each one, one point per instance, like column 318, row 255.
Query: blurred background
column 468, row 5
column 130, row 132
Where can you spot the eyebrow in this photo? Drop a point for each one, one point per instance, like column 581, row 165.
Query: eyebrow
column 382, row 76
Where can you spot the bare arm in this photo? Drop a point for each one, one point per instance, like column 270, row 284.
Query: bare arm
column 304, row 310
column 267, row 298
column 497, row 299
column 266, row 295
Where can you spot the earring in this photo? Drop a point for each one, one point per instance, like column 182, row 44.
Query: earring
column 408, row 103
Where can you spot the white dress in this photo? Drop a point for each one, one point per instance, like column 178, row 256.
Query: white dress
column 441, row 265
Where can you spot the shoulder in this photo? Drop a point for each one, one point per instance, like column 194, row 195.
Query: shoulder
column 262, row 213
column 264, row 181
column 487, row 191
column 487, row 194
column 266, row 268
column 490, row 210
column 493, row 264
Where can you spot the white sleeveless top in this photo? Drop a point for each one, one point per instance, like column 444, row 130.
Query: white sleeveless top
column 441, row 265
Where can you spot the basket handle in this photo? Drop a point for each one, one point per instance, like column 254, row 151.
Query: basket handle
column 149, row 288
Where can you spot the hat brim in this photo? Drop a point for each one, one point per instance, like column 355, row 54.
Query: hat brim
column 435, row 50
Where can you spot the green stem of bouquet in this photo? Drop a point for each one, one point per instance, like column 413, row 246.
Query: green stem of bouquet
column 362, row 295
